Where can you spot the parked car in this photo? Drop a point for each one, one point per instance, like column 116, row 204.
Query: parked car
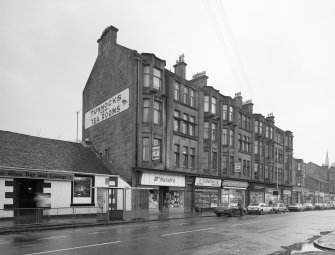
column 229, row 209
column 331, row 204
column 319, row 206
column 259, row 208
column 279, row 207
column 309, row 206
column 296, row 207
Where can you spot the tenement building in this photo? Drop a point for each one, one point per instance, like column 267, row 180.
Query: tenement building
column 183, row 142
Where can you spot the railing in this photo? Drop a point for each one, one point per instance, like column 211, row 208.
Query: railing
column 17, row 217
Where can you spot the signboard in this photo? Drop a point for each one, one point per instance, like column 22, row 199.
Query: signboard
column 107, row 109
column 287, row 192
column 206, row 182
column 36, row 175
column 162, row 179
column 227, row 183
column 237, row 167
column 102, row 200
column 113, row 181
column 155, row 153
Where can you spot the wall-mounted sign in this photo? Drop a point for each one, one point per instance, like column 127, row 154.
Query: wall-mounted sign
column 107, row 109
column 206, row 182
column 162, row 179
column 113, row 181
column 237, row 167
column 287, row 192
column 36, row 175
column 227, row 183
column 155, row 153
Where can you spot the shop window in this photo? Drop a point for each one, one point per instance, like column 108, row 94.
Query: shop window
column 206, row 198
column 173, row 198
column 153, row 199
column 82, row 190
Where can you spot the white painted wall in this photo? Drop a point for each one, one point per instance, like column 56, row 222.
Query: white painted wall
column 60, row 194
column 4, row 200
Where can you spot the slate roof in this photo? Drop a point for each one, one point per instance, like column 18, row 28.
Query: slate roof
column 24, row 151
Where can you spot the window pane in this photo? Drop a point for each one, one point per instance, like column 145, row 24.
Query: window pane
column 176, row 91
column 224, row 112
column 206, row 103
column 157, row 112
column 206, row 130
column 213, row 105
column 145, row 149
column 146, row 109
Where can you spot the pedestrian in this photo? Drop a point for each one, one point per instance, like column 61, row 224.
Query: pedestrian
column 41, row 205
column 240, row 207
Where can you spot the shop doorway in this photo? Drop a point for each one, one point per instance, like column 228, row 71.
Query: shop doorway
column 24, row 196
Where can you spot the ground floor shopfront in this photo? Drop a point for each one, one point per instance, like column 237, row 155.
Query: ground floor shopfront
column 25, row 190
column 176, row 193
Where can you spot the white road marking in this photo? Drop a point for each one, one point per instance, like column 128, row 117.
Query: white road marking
column 203, row 221
column 73, row 248
column 279, row 218
column 252, row 222
column 52, row 237
column 190, row 231
column 161, row 226
column 185, row 223
column 5, row 242
column 99, row 232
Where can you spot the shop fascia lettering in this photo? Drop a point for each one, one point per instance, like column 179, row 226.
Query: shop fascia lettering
column 148, row 178
column 206, row 182
column 232, row 184
column 36, row 175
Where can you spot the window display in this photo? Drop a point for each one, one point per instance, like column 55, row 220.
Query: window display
column 232, row 195
column 256, row 197
column 82, row 190
column 173, row 198
column 153, row 199
column 206, row 198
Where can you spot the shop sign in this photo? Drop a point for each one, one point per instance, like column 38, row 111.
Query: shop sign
column 256, row 187
column 36, row 175
column 237, row 167
column 155, row 153
column 227, row 183
column 109, row 108
column 162, row 180
column 206, row 182
column 287, row 192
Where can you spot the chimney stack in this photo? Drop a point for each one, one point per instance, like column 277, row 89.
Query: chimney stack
column 107, row 38
column 200, row 79
column 180, row 67
column 238, row 99
column 248, row 106
column 270, row 118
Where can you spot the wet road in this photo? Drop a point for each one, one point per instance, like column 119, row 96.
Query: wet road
column 252, row 234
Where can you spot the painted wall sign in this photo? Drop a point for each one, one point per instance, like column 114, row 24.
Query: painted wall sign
column 36, row 175
column 206, row 182
column 227, row 183
column 162, row 180
column 107, row 109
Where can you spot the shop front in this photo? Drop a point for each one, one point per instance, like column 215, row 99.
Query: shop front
column 287, row 196
column 256, row 194
column 166, row 192
column 206, row 195
column 270, row 196
column 233, row 191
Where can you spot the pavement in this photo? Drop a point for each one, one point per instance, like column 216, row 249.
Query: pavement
column 326, row 242
column 10, row 226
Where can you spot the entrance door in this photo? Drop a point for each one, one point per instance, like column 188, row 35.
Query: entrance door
column 24, row 193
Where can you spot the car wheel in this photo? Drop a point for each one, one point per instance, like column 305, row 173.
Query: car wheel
column 284, row 211
column 218, row 214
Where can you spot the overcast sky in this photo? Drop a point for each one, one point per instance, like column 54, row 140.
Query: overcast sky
column 280, row 54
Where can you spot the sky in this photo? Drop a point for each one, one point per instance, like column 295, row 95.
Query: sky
column 279, row 54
